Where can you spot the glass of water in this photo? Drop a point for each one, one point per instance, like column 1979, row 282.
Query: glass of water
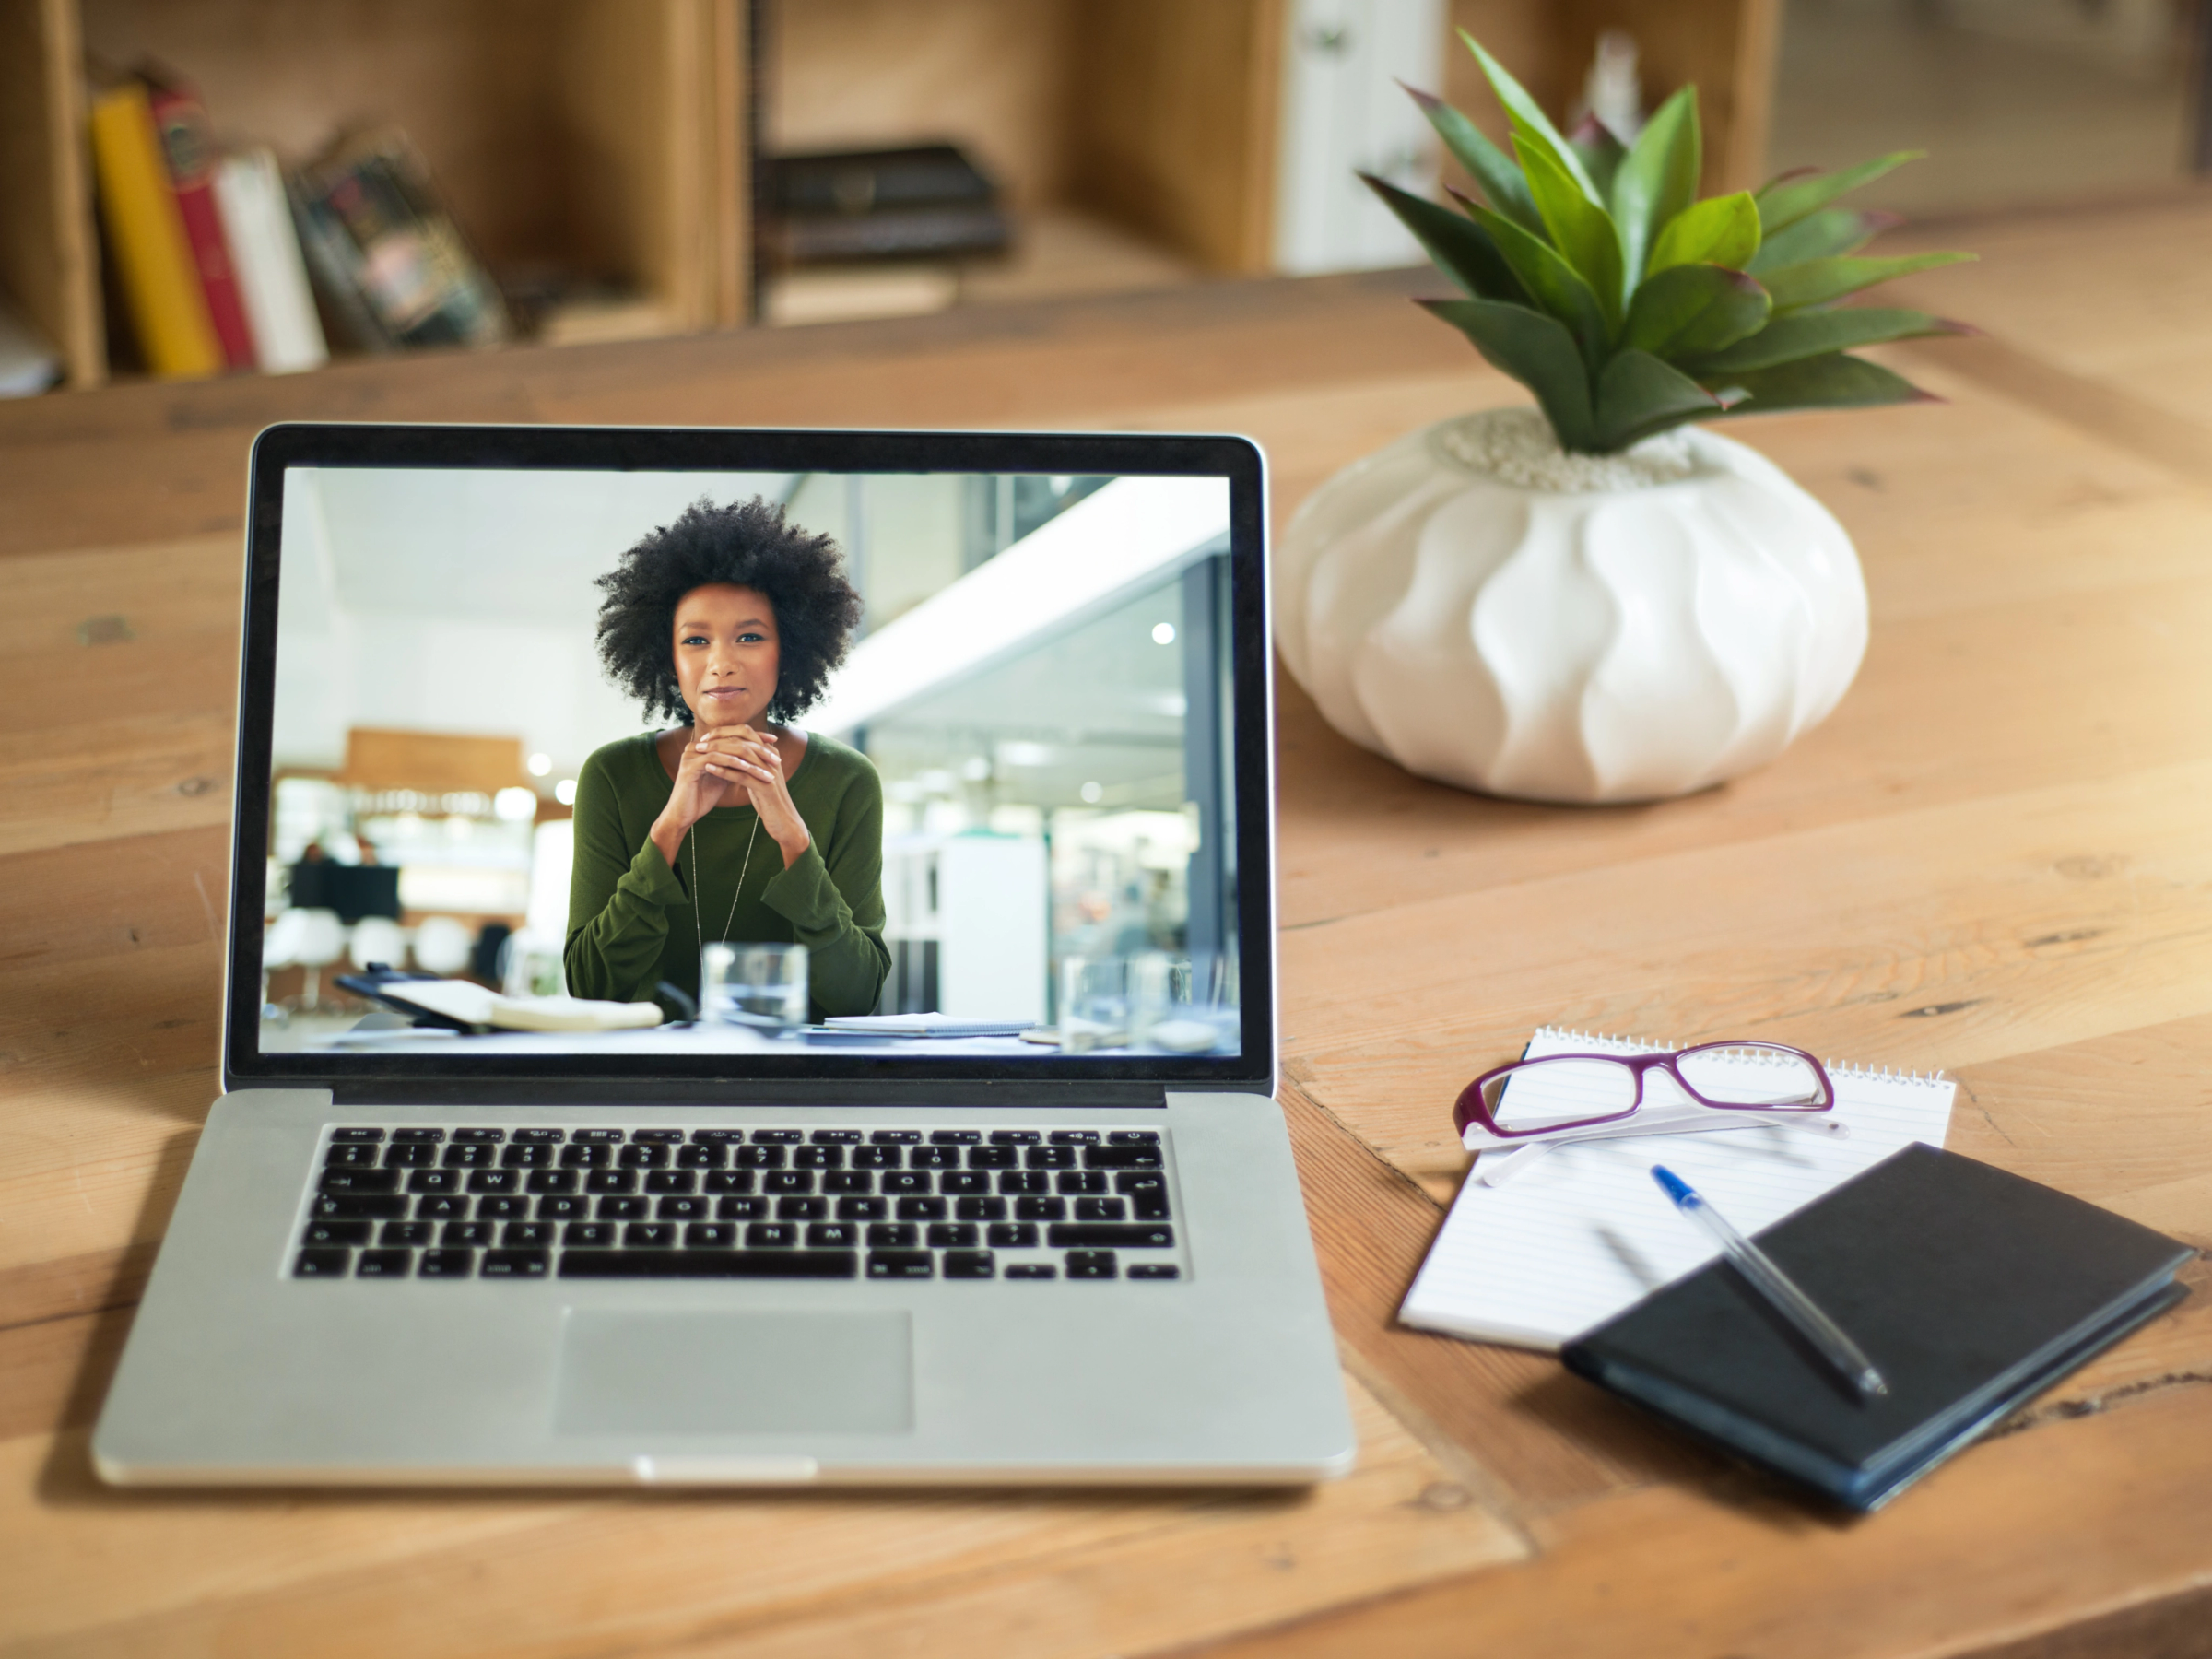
column 762, row 986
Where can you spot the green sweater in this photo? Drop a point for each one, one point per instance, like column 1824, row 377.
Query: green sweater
column 631, row 921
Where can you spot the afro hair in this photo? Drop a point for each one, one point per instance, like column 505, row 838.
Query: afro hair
column 747, row 544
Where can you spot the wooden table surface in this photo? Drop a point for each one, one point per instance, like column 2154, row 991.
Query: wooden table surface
column 1995, row 858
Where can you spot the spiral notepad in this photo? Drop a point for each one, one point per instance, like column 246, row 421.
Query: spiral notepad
column 1586, row 1233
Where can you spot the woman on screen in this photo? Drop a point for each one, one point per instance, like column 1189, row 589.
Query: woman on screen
column 732, row 824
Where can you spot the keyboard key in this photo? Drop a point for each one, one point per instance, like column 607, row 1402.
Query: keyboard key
column 728, row 1181
column 818, row 1158
column 670, row 1180
column 464, row 1233
column 802, row 1209
column 1032, row 1270
column 1073, row 1138
column 1013, row 1235
column 716, row 1137
column 446, row 1264
column 993, row 1157
column 894, row 1137
column 373, row 1207
column 517, row 1264
column 441, row 1207
column 1101, row 1235
column 544, row 1137
column 369, row 1137
column 848, row 1181
column 502, row 1208
column 958, row 1183
column 1049, row 1158
column 322, row 1262
column 1015, row 1137
column 528, row 1155
column 585, row 1156
column 955, row 1137
column 835, row 1137
column 405, row 1232
column 771, row 1235
column 492, row 1181
column 347, row 1155
column 468, row 1155
column 637, row 1156
column 710, row 1235
column 952, row 1235
column 921, row 1209
column 611, row 1180
column 738, row 1207
column 788, row 1181
column 1121, row 1157
column 1101, row 1209
column 1133, row 1182
column 1155, row 1270
column 933, row 1158
column 777, row 1137
column 894, row 1184
column 428, row 1138
column 361, row 1181
column 590, row 1234
column 658, row 1137
column 1039, row 1210
column 384, row 1263
column 482, row 1137
column 832, row 1235
column 682, row 1209
column 1017, row 1183
column 409, row 1156
column 760, row 1157
column 1090, row 1264
column 709, row 1264
column 434, row 1180
column 550, row 1181
column 526, row 1235
column 863, row 1209
column 336, row 1232
column 877, row 1158
column 650, row 1235
column 898, row 1264
column 1081, row 1182
column 968, row 1263
column 597, row 1137
column 620, row 1208
column 564, row 1207
column 1132, row 1137
column 894, row 1235
column 979, row 1210
column 703, row 1158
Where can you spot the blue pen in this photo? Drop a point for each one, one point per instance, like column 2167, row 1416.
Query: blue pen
column 1774, row 1285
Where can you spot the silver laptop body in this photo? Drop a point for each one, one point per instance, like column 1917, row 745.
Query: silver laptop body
column 1041, row 1248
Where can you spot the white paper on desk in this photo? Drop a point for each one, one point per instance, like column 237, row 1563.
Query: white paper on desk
column 1586, row 1232
column 927, row 1025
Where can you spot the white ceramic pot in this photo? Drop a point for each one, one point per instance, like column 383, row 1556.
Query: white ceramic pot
column 1494, row 614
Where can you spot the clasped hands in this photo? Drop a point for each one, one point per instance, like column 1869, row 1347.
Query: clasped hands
column 720, row 766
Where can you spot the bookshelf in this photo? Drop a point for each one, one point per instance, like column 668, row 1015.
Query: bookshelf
column 608, row 139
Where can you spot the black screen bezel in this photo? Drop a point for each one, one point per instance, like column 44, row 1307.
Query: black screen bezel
column 814, row 1076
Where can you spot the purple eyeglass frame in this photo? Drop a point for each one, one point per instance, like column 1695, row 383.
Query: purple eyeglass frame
column 1469, row 1108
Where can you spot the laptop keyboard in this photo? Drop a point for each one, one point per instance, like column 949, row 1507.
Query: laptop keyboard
column 658, row 1204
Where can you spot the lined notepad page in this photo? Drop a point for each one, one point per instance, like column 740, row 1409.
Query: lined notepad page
column 1585, row 1232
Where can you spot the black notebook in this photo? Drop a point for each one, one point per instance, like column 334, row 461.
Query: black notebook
column 1972, row 1291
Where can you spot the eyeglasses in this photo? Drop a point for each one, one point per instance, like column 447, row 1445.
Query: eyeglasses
column 1575, row 1093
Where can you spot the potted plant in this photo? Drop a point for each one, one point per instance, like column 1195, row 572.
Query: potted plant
column 1594, row 600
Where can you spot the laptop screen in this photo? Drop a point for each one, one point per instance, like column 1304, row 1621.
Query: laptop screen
column 799, row 770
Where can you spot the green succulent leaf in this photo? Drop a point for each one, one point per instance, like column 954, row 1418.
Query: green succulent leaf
column 1555, row 286
column 1659, row 178
column 1832, row 381
column 1579, row 229
column 1723, row 231
column 1462, row 249
column 1491, row 168
column 1599, row 151
column 1786, row 200
column 1816, row 334
column 1820, row 235
column 1537, row 351
column 1531, row 125
column 1694, row 310
column 1639, row 396
column 1817, row 281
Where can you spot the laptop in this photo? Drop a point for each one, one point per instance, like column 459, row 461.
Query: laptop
column 811, row 1014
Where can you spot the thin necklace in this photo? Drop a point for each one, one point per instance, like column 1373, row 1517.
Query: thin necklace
column 698, row 928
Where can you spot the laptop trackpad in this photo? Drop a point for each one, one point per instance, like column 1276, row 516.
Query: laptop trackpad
column 735, row 1374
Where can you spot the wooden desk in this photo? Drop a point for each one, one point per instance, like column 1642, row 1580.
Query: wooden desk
column 1994, row 857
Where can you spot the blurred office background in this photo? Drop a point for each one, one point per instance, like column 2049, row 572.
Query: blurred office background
column 619, row 168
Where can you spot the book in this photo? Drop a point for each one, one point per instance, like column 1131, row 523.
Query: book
column 160, row 284
column 188, row 147
column 1971, row 1289
column 272, row 275
column 1586, row 1233
column 920, row 201
column 388, row 253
